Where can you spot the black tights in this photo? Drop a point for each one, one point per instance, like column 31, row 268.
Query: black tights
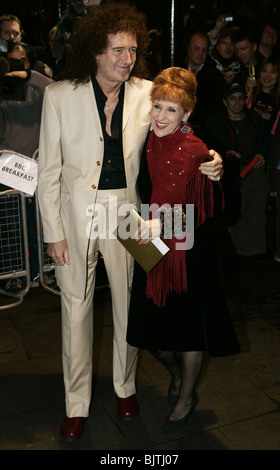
column 185, row 373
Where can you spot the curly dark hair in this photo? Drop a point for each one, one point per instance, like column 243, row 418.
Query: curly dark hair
column 90, row 38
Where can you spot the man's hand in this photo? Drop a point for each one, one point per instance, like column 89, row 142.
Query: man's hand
column 214, row 168
column 261, row 161
column 17, row 73
column 228, row 75
column 219, row 25
column 59, row 252
column 232, row 154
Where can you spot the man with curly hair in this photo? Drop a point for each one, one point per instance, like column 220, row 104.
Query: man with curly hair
column 94, row 125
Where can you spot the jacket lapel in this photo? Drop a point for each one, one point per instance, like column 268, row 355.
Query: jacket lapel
column 86, row 94
column 129, row 99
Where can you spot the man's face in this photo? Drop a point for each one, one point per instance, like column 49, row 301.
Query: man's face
column 19, row 53
column 245, row 51
column 235, row 103
column 197, row 50
column 269, row 36
column 225, row 48
column 10, row 30
column 115, row 64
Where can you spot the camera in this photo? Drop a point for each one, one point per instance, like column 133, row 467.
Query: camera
column 75, row 10
column 235, row 68
column 11, row 88
column 3, row 46
column 227, row 19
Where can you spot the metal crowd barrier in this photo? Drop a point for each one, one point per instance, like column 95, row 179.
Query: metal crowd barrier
column 23, row 254
column 20, row 246
column 15, row 271
column 14, row 252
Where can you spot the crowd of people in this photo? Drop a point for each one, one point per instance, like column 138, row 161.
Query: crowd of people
column 239, row 81
column 20, row 118
column 105, row 93
column 229, row 52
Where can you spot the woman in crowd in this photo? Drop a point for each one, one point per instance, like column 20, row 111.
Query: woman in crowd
column 179, row 306
column 263, row 99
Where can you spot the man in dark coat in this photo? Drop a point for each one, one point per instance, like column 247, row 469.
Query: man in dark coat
column 236, row 134
column 209, row 82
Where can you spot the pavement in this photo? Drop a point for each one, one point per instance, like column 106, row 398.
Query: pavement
column 239, row 395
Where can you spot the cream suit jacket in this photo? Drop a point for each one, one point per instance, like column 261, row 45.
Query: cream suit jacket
column 70, row 162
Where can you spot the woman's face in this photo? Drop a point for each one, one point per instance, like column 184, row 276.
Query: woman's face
column 268, row 76
column 167, row 117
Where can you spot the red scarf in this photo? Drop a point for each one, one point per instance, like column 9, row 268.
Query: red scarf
column 173, row 163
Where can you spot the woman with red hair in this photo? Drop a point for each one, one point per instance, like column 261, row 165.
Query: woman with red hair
column 179, row 306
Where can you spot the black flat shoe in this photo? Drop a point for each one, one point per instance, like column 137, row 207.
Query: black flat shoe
column 171, row 398
column 172, row 425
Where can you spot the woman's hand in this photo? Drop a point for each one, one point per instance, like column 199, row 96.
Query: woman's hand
column 147, row 231
column 251, row 83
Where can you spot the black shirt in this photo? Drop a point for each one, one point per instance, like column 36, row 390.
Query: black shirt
column 246, row 139
column 113, row 172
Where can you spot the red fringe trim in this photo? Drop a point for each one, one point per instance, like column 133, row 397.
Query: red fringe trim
column 170, row 275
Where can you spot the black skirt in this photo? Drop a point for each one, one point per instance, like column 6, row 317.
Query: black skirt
column 193, row 321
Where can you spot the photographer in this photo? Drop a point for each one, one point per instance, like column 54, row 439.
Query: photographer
column 224, row 56
column 21, row 96
column 59, row 35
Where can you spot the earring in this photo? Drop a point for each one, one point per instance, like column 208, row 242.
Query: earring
column 185, row 129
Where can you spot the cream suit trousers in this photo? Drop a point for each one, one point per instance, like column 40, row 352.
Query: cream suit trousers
column 77, row 314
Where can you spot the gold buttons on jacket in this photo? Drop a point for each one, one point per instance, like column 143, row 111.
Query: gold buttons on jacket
column 93, row 186
column 98, row 163
column 101, row 139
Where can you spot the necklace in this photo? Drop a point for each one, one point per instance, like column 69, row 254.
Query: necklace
column 236, row 127
column 107, row 105
column 237, row 123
